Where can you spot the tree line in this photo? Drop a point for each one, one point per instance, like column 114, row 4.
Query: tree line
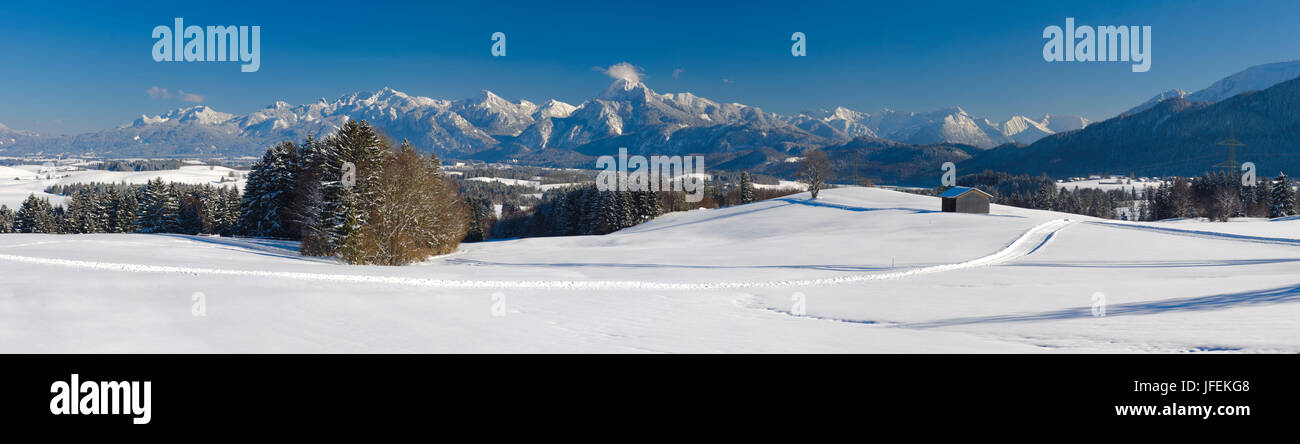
column 351, row 195
column 1214, row 196
column 580, row 210
column 154, row 207
column 354, row 196
column 586, row 210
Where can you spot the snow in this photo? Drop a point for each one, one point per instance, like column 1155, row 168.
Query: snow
column 1113, row 183
column 552, row 186
column 13, row 192
column 784, row 184
column 527, row 183
column 516, row 182
column 879, row 271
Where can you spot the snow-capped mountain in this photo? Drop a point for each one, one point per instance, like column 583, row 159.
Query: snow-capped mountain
column 630, row 114
column 1023, row 130
column 445, row 126
column 10, row 137
column 945, row 125
column 1175, row 93
column 627, row 113
column 1176, row 137
column 839, row 124
column 1251, row 79
column 1063, row 123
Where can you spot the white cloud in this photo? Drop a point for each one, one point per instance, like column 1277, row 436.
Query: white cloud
column 188, row 97
column 624, row 70
column 677, row 73
column 158, row 92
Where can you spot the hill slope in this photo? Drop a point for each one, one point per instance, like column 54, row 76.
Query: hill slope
column 874, row 270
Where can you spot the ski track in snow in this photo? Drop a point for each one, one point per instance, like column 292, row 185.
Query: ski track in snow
column 1201, row 233
column 1028, row 242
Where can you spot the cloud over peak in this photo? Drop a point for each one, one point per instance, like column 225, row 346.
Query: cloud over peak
column 162, row 93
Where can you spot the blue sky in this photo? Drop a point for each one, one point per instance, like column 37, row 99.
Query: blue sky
column 73, row 67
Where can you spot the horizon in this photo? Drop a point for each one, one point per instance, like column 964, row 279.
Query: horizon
column 101, row 77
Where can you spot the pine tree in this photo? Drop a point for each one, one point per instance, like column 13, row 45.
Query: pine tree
column 122, row 211
column 342, row 207
column 746, row 188
column 159, row 208
column 269, row 194
column 228, row 209
column 481, row 218
column 190, row 220
column 147, row 202
column 1282, row 198
column 306, row 198
column 170, row 209
column 86, row 213
column 7, row 219
column 36, row 216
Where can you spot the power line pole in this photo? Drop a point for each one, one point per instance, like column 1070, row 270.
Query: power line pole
column 1232, row 143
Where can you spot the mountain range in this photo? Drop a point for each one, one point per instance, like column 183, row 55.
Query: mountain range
column 1251, row 79
column 1174, row 133
column 1176, row 136
column 626, row 114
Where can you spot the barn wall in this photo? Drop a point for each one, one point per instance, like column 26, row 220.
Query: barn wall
column 972, row 203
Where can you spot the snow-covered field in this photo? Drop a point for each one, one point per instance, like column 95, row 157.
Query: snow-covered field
column 1116, row 183
column 782, row 184
column 16, row 183
column 859, row 270
column 525, row 183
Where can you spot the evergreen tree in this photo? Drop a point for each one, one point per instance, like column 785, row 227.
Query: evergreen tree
column 171, row 209
column 36, row 216
column 269, row 194
column 190, row 220
column 159, row 208
column 86, row 213
column 746, row 188
column 342, row 210
column 228, row 208
column 122, row 211
column 7, row 219
column 1282, row 198
column 481, row 219
column 306, row 198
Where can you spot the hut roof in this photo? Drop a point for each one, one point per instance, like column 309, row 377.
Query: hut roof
column 958, row 191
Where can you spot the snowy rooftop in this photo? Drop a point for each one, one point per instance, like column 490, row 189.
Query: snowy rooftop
column 958, row 191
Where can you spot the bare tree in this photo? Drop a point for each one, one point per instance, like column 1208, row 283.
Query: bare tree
column 415, row 213
column 816, row 170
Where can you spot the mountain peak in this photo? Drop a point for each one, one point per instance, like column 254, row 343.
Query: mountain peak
column 1250, row 79
column 626, row 89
